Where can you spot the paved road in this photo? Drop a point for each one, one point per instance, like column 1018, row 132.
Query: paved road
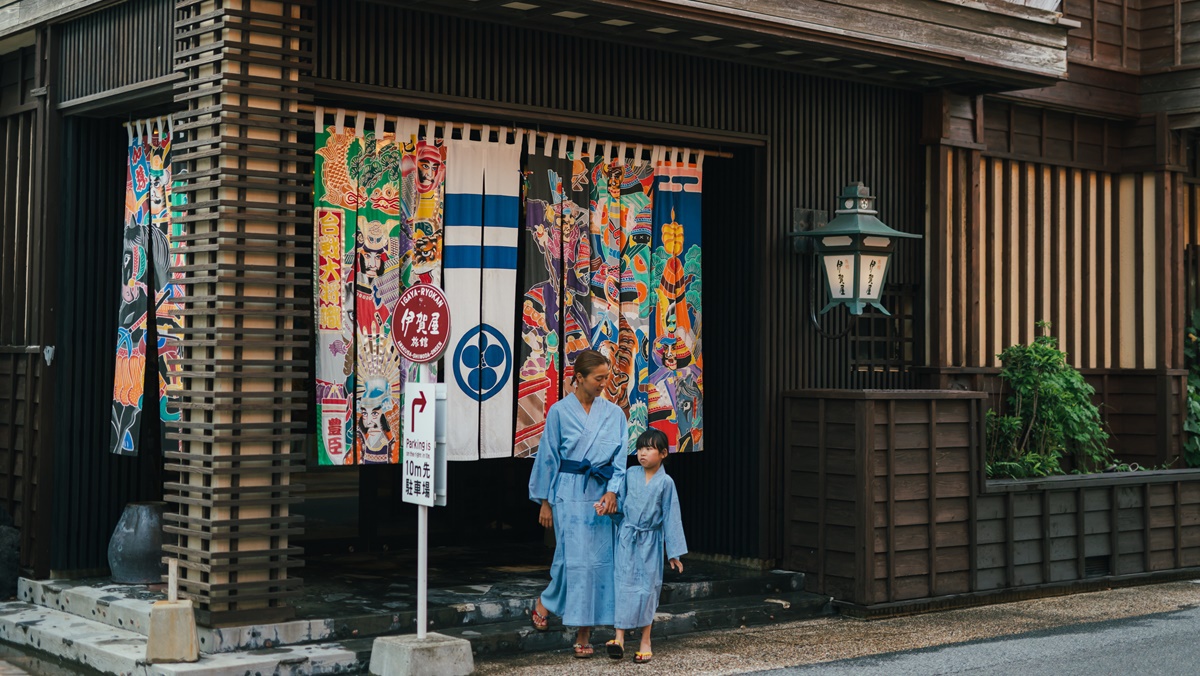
column 1151, row 645
column 1143, row 631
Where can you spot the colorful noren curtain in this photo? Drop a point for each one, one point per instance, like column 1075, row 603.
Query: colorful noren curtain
column 482, row 232
column 675, row 386
column 556, row 308
column 621, row 275
column 149, row 253
column 378, row 204
column 604, row 254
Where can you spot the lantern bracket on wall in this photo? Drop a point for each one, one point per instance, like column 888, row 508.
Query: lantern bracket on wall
column 854, row 250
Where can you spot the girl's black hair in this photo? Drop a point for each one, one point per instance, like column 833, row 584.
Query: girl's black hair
column 653, row 438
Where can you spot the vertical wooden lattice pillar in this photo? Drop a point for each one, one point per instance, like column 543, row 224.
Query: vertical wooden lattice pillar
column 247, row 181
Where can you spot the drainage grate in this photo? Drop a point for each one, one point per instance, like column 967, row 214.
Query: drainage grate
column 1097, row 566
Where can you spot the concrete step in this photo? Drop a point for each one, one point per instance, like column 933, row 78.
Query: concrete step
column 127, row 607
column 671, row 620
column 773, row 582
column 100, row 647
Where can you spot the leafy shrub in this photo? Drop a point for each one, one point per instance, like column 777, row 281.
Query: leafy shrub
column 1049, row 417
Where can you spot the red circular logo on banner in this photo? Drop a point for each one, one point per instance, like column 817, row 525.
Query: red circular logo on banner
column 421, row 323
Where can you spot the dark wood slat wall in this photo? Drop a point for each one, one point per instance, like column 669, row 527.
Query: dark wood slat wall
column 21, row 365
column 92, row 485
column 18, row 236
column 17, row 70
column 114, row 48
column 246, row 180
column 890, row 512
column 882, row 492
column 818, row 134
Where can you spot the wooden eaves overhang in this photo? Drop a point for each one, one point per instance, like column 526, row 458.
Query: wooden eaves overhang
column 17, row 16
column 969, row 46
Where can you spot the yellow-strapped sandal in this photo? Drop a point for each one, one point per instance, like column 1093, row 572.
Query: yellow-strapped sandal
column 615, row 649
column 642, row 658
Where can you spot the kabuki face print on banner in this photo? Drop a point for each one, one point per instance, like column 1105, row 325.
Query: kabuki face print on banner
column 377, row 231
column 543, row 251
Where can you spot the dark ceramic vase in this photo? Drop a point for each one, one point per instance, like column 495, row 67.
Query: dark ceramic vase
column 135, row 550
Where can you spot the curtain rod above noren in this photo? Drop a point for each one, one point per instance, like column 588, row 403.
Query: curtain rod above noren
column 566, row 142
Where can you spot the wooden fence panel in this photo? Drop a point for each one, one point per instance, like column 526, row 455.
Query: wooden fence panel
column 932, row 529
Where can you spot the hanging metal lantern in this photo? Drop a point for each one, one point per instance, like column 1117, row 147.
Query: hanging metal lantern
column 855, row 251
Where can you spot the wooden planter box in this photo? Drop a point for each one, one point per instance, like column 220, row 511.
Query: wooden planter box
column 888, row 508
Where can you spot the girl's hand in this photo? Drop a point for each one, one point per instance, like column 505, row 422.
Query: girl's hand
column 599, row 507
column 546, row 515
column 608, row 503
column 676, row 564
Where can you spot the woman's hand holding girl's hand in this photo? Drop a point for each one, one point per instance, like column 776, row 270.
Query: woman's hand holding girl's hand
column 608, row 504
column 676, row 564
column 546, row 515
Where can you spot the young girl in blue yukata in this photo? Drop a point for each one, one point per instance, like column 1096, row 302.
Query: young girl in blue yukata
column 650, row 527
column 579, row 469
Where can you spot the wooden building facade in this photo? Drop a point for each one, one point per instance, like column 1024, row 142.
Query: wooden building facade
column 1038, row 199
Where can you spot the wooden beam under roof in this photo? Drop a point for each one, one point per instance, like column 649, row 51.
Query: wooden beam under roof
column 975, row 46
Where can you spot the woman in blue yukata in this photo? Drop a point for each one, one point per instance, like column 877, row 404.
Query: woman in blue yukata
column 580, row 466
column 650, row 527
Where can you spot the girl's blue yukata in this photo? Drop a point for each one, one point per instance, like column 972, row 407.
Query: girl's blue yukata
column 650, row 525
column 581, row 457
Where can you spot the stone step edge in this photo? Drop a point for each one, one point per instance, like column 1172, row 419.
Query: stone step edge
column 520, row 636
column 106, row 649
column 94, row 604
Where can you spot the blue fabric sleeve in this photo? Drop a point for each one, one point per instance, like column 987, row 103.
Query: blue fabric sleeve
column 544, row 474
column 617, row 483
column 672, row 522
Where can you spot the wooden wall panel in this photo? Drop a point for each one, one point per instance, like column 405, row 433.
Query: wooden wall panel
column 1106, row 35
column 901, row 496
column 22, row 368
column 1055, row 263
column 1074, row 222
column 931, row 530
column 116, row 49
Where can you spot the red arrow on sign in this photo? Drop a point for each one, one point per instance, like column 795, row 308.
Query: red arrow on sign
column 418, row 401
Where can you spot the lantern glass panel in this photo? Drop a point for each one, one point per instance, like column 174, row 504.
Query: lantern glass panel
column 837, row 241
column 876, row 242
column 871, row 276
column 839, row 271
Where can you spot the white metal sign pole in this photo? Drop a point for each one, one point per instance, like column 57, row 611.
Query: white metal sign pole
column 419, row 478
column 422, row 568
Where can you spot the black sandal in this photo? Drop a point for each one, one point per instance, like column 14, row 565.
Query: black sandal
column 615, row 649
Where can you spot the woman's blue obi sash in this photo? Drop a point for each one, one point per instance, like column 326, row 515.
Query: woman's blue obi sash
column 601, row 473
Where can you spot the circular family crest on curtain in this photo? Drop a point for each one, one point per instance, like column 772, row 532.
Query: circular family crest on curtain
column 482, row 362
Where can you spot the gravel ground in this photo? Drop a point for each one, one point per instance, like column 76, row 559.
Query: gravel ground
column 834, row 638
